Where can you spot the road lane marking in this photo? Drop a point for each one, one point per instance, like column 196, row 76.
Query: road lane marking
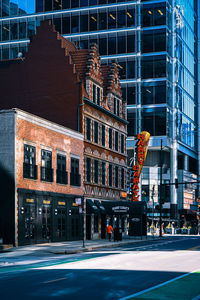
column 55, row 280
column 158, row 285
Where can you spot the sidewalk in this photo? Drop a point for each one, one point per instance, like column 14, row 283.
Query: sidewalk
column 72, row 247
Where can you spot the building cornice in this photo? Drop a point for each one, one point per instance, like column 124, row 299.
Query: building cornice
column 105, row 111
column 45, row 123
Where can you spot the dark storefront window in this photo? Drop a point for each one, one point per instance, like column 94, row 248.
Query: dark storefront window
column 96, row 132
column 46, row 166
column 88, row 129
column 116, row 141
column 116, row 176
column 62, row 175
column 96, row 219
column 103, row 135
column 96, row 171
column 110, row 138
column 75, row 177
column 88, row 169
column 103, row 173
column 29, row 167
column 110, row 175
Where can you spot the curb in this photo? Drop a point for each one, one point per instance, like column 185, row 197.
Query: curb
column 90, row 248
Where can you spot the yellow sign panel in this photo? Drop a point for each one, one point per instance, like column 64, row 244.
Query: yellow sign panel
column 46, row 202
column 74, row 204
column 61, row 203
column 30, row 200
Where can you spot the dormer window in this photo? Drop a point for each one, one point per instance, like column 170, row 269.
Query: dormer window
column 115, row 80
column 95, row 66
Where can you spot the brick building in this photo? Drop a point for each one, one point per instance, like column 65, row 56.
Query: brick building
column 41, row 168
column 71, row 87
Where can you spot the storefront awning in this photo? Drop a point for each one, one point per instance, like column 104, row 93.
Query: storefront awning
column 91, row 207
column 100, row 206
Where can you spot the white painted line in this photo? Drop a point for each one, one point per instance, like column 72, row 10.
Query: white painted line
column 157, row 286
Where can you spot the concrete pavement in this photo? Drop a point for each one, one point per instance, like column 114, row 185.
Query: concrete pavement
column 72, row 247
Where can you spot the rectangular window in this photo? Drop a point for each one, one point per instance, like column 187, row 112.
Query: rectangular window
column 88, row 169
column 110, row 138
column 114, row 106
column 94, row 93
column 110, row 175
column 103, row 173
column 116, row 177
column 62, row 175
column 96, row 132
column 122, row 143
column 88, row 129
column 103, row 135
column 46, row 166
column 75, row 177
column 98, row 95
column 96, row 171
column 122, row 178
column 29, row 167
column 118, row 107
column 116, row 141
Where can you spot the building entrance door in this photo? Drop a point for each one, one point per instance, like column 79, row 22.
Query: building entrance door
column 46, row 223
column 60, row 224
column 27, row 225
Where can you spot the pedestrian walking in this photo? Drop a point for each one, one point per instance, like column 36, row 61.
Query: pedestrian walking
column 109, row 231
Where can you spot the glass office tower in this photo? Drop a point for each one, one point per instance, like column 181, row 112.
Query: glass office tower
column 156, row 46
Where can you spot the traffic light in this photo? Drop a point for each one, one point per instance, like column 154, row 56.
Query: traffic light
column 176, row 183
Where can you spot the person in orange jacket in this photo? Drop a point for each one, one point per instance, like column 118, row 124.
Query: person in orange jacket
column 109, row 231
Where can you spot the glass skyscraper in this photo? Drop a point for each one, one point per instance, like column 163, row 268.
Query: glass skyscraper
column 156, row 46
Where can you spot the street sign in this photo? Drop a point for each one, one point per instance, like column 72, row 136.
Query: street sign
column 135, row 219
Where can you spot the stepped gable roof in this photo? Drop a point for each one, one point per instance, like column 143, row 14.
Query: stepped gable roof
column 105, row 69
column 111, row 79
column 88, row 63
column 80, row 58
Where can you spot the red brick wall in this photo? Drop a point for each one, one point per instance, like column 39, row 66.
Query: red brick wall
column 44, row 83
column 26, row 131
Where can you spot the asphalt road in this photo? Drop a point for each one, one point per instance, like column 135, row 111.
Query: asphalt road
column 104, row 274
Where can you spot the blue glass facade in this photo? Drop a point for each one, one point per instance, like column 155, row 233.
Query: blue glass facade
column 155, row 44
